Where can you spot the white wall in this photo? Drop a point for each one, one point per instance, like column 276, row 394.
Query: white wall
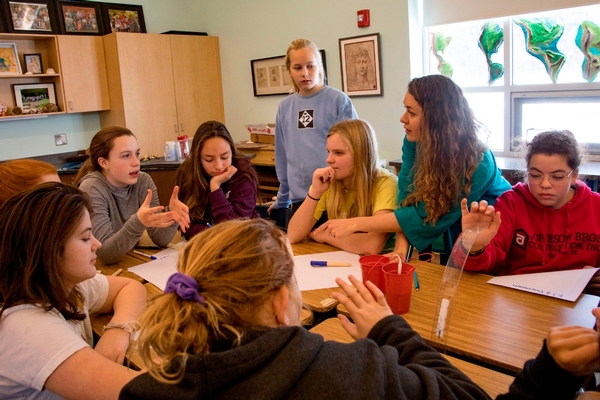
column 258, row 29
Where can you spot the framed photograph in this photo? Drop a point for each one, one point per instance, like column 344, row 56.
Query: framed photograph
column 270, row 77
column 35, row 95
column 80, row 18
column 33, row 63
column 9, row 60
column 30, row 16
column 123, row 18
column 361, row 65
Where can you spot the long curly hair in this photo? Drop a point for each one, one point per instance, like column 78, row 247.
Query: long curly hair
column 194, row 182
column 449, row 150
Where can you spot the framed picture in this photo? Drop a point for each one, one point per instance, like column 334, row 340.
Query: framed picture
column 361, row 65
column 30, row 16
column 35, row 95
column 33, row 63
column 123, row 18
column 80, row 18
column 270, row 77
column 9, row 60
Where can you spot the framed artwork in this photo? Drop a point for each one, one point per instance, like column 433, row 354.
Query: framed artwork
column 9, row 60
column 35, row 95
column 33, row 63
column 80, row 18
column 29, row 16
column 360, row 59
column 123, row 18
column 270, row 77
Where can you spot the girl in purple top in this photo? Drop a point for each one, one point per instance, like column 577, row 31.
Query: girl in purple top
column 215, row 182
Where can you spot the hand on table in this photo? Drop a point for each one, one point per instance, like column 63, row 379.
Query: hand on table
column 338, row 228
column 152, row 217
column 575, row 349
column 593, row 286
column 482, row 216
column 113, row 344
column 400, row 248
column 364, row 309
column 181, row 212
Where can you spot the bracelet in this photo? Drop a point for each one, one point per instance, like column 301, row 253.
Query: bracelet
column 312, row 198
column 130, row 327
column 478, row 252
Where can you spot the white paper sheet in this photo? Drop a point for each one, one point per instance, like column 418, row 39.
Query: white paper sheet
column 310, row 278
column 566, row 285
column 158, row 271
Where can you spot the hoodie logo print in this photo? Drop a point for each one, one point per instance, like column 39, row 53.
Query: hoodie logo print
column 521, row 238
column 306, row 119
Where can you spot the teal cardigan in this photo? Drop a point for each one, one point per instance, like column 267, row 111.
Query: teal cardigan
column 488, row 184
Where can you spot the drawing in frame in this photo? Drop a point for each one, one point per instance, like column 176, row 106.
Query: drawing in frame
column 360, row 59
column 9, row 60
column 270, row 77
column 34, row 95
column 30, row 16
column 123, row 18
column 80, row 18
column 33, row 63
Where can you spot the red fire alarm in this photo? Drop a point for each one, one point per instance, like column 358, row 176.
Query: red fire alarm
column 363, row 17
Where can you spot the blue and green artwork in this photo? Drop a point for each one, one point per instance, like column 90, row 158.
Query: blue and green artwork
column 490, row 40
column 541, row 37
column 588, row 41
column 439, row 43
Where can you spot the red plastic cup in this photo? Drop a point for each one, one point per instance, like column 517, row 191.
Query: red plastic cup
column 398, row 287
column 371, row 269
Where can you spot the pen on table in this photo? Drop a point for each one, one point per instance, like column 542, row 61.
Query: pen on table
column 117, row 272
column 330, row 264
column 150, row 256
column 416, row 280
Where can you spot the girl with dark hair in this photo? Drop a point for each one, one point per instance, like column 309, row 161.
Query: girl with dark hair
column 124, row 199
column 442, row 162
column 215, row 182
column 549, row 223
column 48, row 290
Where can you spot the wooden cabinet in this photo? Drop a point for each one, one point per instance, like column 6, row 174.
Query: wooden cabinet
column 162, row 86
column 83, row 73
column 46, row 46
column 264, row 163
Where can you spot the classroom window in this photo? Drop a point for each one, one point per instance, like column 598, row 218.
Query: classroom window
column 515, row 92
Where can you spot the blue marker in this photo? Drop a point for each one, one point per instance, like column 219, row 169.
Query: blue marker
column 209, row 225
column 416, row 280
column 329, row 264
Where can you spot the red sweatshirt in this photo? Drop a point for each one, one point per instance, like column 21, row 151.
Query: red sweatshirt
column 535, row 238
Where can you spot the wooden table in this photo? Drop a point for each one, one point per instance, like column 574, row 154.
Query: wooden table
column 493, row 382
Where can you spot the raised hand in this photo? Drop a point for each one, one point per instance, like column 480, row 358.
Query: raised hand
column 483, row 217
column 364, row 309
column 152, row 217
column 181, row 212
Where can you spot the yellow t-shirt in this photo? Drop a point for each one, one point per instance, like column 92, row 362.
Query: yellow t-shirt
column 385, row 199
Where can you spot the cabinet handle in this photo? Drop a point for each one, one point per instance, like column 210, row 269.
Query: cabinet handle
column 181, row 127
column 70, row 105
column 175, row 128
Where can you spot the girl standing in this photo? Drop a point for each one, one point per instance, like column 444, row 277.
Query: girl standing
column 216, row 183
column 48, row 290
column 442, row 162
column 303, row 121
column 124, row 199
column 351, row 186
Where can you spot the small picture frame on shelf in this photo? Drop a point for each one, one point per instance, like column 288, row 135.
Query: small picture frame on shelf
column 29, row 16
column 33, row 63
column 123, row 18
column 80, row 18
column 9, row 60
column 34, row 96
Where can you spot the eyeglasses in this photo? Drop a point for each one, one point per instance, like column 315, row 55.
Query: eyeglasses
column 554, row 178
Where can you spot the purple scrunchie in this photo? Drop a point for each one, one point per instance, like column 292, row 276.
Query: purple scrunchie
column 185, row 286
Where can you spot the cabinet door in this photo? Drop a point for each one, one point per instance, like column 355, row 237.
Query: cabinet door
column 142, row 93
column 83, row 73
column 197, row 78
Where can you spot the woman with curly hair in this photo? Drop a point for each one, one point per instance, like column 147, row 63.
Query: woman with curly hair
column 442, row 162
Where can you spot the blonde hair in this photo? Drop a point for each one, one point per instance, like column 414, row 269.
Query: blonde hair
column 238, row 265
column 362, row 144
column 18, row 175
column 301, row 44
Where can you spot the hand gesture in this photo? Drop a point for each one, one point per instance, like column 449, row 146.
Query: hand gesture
column 152, row 217
column 364, row 309
column 218, row 180
column 181, row 212
column 481, row 216
column 575, row 349
column 321, row 180
column 338, row 228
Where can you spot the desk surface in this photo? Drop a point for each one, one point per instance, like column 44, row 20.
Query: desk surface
column 493, row 382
